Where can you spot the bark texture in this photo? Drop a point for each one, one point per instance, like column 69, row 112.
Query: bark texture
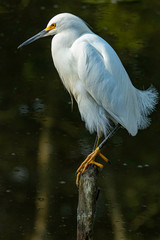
column 88, row 193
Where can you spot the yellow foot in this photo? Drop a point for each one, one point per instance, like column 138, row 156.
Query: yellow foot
column 90, row 160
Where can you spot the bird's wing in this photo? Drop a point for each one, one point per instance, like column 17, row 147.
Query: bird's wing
column 105, row 78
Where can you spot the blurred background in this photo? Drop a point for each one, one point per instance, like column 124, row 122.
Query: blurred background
column 43, row 141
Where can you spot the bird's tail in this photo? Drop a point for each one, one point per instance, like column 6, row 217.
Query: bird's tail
column 147, row 101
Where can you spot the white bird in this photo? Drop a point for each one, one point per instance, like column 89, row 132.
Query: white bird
column 93, row 74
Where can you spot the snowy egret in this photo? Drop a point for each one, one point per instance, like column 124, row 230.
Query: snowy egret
column 93, row 74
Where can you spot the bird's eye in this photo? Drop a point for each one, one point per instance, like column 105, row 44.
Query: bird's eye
column 51, row 27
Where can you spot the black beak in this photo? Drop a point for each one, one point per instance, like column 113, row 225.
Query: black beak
column 41, row 34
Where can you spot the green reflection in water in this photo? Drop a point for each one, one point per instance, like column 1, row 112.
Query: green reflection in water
column 35, row 114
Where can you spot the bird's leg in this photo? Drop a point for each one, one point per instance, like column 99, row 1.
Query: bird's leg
column 96, row 142
column 109, row 135
column 91, row 157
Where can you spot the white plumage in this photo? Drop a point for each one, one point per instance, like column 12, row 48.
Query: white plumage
column 92, row 72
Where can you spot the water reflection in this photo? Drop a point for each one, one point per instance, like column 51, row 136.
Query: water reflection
column 43, row 142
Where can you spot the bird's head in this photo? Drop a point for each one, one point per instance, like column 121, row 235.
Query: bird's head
column 57, row 24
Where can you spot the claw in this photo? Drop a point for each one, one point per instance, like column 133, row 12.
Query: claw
column 90, row 160
column 77, row 178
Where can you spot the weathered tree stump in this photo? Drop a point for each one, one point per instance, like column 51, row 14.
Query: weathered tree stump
column 88, row 192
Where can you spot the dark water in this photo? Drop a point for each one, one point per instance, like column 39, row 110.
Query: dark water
column 42, row 141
